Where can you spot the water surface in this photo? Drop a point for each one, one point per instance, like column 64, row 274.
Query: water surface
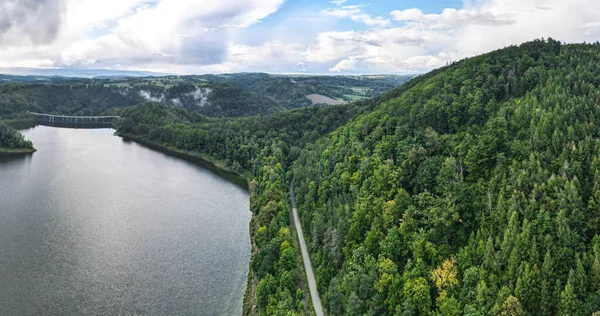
column 91, row 224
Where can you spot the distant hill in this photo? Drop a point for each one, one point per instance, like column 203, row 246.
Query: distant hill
column 75, row 73
column 228, row 95
column 76, row 97
column 292, row 91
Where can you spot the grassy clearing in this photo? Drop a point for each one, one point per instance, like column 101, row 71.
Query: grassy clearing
column 321, row 99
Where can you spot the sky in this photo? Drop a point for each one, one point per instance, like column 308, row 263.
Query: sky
column 279, row 36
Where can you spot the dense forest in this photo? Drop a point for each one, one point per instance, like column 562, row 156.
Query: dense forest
column 473, row 189
column 475, row 192
column 11, row 140
column 68, row 99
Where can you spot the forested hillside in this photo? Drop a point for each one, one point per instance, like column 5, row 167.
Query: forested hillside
column 211, row 99
column 68, row 99
column 473, row 189
column 292, row 91
column 85, row 97
column 476, row 191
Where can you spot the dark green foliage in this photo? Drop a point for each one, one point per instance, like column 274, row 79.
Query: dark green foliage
column 11, row 139
column 76, row 99
column 242, row 143
column 492, row 160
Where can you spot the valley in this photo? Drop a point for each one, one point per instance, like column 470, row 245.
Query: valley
column 469, row 190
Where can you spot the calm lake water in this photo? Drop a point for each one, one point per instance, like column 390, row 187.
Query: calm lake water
column 94, row 225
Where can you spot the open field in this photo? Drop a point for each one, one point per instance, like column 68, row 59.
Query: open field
column 321, row 99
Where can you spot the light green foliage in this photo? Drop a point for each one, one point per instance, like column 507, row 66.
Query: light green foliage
column 511, row 307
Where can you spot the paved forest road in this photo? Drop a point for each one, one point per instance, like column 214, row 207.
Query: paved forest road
column 312, row 284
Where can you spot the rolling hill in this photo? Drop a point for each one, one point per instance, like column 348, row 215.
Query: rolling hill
column 231, row 95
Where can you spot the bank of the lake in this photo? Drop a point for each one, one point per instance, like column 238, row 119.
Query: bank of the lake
column 19, row 151
column 210, row 163
column 95, row 224
column 21, row 123
column 12, row 142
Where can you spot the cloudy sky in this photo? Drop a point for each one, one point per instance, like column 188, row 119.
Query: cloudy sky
column 278, row 36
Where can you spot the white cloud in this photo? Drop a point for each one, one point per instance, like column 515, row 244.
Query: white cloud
column 88, row 15
column 451, row 17
column 422, row 41
column 146, row 34
column 354, row 13
column 338, row 2
column 591, row 28
column 334, row 45
column 274, row 56
column 33, row 22
column 377, row 46
column 564, row 21
column 345, row 65
column 173, row 32
column 193, row 36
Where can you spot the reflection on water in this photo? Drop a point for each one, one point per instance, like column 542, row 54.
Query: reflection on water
column 15, row 159
column 90, row 224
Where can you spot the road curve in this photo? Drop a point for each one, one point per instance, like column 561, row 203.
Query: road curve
column 312, row 284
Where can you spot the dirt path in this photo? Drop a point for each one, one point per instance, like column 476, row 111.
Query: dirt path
column 312, row 284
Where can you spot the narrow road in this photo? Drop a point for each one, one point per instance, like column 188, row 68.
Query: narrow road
column 312, row 284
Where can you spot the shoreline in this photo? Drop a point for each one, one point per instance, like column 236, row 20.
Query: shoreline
column 239, row 179
column 21, row 123
column 14, row 152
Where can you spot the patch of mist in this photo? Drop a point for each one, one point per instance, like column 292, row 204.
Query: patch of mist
column 200, row 95
column 148, row 96
column 176, row 102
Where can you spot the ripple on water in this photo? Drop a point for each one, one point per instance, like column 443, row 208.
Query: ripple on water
column 94, row 225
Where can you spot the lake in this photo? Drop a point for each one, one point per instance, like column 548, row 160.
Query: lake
column 93, row 224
